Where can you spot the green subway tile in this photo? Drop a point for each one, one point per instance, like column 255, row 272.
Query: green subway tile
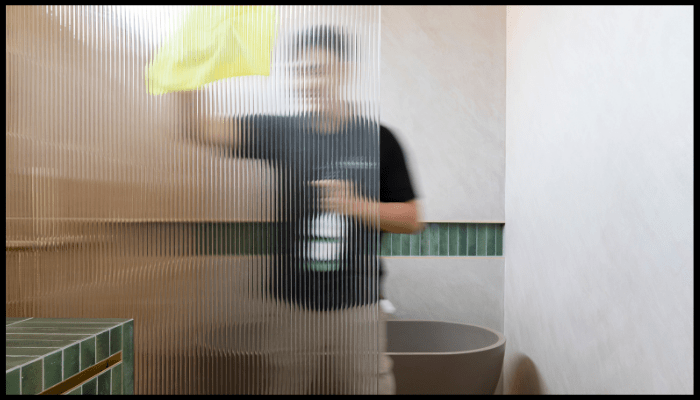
column 225, row 247
column 196, row 231
column 75, row 330
column 239, row 239
column 453, row 235
column 386, row 245
column 128, row 357
column 110, row 322
column 261, row 242
column 491, row 239
column 78, row 390
column 434, row 239
column 12, row 362
column 481, row 240
column 44, row 336
column 202, row 242
column 471, row 239
column 9, row 321
column 255, row 244
column 446, row 239
column 424, row 241
column 12, row 382
column 53, row 365
column 104, row 382
column 102, row 347
column 44, row 323
column 405, row 245
column 71, row 361
column 117, row 379
column 23, row 351
column 415, row 244
column 115, row 340
column 444, row 242
column 395, row 244
column 216, row 247
column 90, row 387
column 499, row 240
column 32, row 378
column 462, row 239
column 12, row 343
column 270, row 241
column 495, row 239
column 87, row 353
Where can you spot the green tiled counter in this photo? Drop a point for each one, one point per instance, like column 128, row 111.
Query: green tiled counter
column 44, row 352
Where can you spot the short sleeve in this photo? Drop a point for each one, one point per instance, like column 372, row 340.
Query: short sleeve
column 395, row 180
column 259, row 137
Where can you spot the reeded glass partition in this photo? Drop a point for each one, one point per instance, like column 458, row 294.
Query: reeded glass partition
column 234, row 221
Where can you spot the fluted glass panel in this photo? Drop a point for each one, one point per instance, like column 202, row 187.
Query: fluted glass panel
column 231, row 213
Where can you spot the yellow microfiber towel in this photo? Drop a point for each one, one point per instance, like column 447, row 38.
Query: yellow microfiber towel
column 215, row 42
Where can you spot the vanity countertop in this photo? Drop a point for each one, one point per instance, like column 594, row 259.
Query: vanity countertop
column 69, row 355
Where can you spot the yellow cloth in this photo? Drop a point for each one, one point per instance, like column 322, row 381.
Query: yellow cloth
column 215, row 42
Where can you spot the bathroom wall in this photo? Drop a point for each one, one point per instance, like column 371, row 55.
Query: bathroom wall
column 599, row 200
column 443, row 94
column 443, row 91
column 68, row 158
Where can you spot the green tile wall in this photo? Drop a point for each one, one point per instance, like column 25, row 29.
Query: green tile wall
column 446, row 239
column 90, row 387
column 41, row 352
column 243, row 238
column 128, row 357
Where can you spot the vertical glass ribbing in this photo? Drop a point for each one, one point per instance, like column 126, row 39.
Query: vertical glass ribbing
column 233, row 220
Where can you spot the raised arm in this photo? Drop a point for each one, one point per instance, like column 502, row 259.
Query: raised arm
column 200, row 128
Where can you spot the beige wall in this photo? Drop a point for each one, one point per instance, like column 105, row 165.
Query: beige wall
column 599, row 200
column 443, row 91
column 443, row 94
column 96, row 145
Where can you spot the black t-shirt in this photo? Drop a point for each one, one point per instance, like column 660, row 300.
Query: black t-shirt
column 395, row 180
column 323, row 260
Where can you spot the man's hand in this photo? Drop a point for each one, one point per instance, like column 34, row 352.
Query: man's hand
column 342, row 197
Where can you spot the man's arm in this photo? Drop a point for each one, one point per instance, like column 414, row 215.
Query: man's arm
column 340, row 196
column 200, row 128
column 393, row 217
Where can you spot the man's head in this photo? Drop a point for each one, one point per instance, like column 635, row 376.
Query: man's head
column 320, row 56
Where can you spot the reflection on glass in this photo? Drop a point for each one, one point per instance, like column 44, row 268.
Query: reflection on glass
column 232, row 222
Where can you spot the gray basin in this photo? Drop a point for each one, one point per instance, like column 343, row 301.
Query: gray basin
column 433, row 357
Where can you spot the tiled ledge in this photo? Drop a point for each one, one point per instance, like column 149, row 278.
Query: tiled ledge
column 257, row 238
column 42, row 353
column 447, row 239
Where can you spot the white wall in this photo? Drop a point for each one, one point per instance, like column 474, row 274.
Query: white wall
column 599, row 200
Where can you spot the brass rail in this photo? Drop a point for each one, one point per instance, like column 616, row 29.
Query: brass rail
column 84, row 376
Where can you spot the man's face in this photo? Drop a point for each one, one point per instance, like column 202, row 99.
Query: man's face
column 318, row 78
